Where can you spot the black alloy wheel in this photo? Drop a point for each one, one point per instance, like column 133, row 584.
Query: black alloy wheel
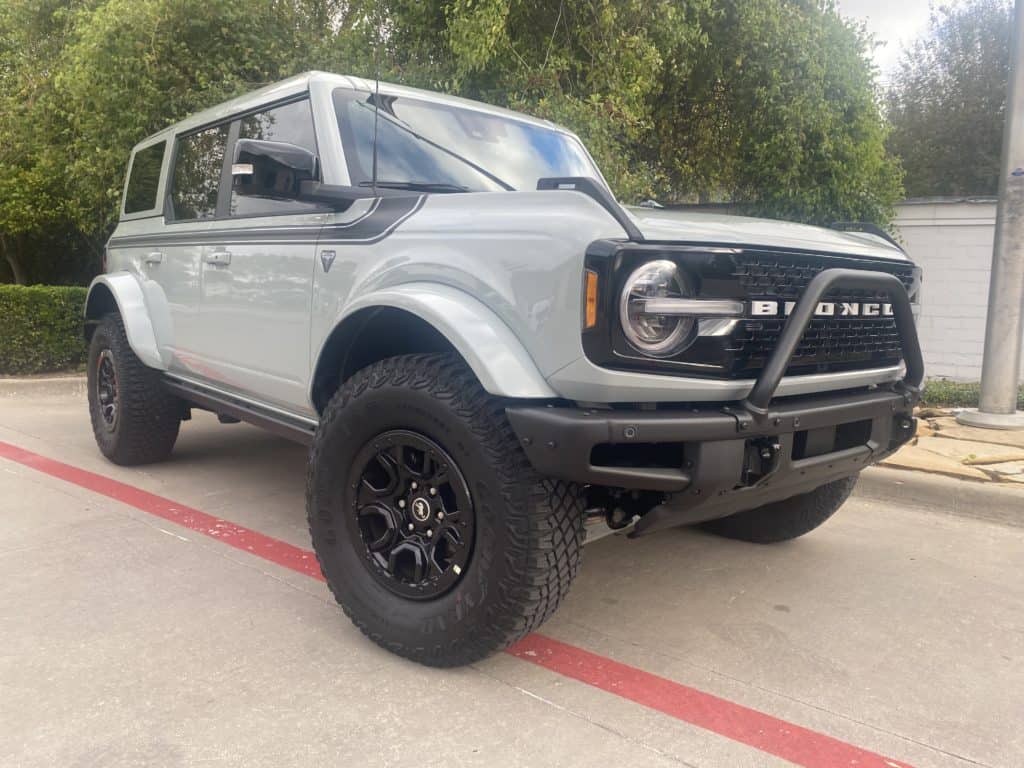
column 134, row 419
column 433, row 531
column 412, row 513
column 106, row 389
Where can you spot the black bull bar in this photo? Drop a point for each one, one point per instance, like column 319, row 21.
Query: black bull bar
column 740, row 455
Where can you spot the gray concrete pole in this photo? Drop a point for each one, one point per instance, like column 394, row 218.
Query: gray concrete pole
column 1000, row 372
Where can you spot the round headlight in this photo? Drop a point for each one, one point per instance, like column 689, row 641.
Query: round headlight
column 654, row 335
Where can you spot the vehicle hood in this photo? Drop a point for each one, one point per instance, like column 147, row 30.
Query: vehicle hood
column 661, row 225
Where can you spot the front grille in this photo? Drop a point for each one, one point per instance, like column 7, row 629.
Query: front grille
column 786, row 276
column 829, row 344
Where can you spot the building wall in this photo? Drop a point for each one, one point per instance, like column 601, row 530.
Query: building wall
column 952, row 242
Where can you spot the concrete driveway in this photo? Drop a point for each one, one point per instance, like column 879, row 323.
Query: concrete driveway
column 166, row 616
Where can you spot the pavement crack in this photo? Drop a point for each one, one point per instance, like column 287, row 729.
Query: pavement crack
column 584, row 718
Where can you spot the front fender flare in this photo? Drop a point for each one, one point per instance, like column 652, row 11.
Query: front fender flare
column 494, row 353
column 134, row 309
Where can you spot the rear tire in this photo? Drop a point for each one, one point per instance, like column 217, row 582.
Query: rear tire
column 787, row 519
column 426, row 417
column 135, row 421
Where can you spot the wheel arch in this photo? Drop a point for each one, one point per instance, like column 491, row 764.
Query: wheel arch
column 426, row 318
column 121, row 293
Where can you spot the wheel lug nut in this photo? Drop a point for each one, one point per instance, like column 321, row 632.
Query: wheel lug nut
column 401, row 503
column 433, row 491
column 411, row 526
column 429, row 533
column 415, row 485
column 440, row 515
column 456, row 569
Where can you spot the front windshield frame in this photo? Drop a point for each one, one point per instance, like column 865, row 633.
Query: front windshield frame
column 579, row 162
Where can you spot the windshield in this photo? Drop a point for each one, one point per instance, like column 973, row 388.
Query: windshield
column 451, row 149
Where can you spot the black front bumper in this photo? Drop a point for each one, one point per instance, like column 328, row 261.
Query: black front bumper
column 712, row 461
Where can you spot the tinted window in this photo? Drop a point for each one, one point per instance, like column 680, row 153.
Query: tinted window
column 288, row 124
column 144, row 178
column 427, row 142
column 197, row 169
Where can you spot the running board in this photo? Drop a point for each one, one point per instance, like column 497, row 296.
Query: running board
column 294, row 428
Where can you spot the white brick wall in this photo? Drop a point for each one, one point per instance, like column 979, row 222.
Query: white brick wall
column 952, row 242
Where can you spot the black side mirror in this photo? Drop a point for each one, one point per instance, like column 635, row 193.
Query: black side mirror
column 272, row 169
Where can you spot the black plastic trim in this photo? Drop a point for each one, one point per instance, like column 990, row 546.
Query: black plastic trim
column 768, row 381
column 295, row 429
column 867, row 227
column 559, row 440
column 708, row 265
column 600, row 194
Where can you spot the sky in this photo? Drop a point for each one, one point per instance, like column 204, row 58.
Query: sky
column 893, row 22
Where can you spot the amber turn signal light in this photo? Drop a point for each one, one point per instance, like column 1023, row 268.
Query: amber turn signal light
column 590, row 309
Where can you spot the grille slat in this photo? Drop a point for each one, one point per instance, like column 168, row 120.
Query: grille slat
column 829, row 344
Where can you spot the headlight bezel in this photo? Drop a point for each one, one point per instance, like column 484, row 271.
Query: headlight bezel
column 725, row 346
column 683, row 329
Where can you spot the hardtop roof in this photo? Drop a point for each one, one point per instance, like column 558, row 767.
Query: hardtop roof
column 298, row 84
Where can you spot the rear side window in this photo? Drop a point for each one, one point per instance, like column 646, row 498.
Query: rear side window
column 288, row 124
column 144, row 178
column 197, row 170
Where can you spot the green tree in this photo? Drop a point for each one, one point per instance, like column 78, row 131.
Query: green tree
column 33, row 220
column 948, row 100
column 779, row 116
column 134, row 66
column 766, row 103
column 769, row 104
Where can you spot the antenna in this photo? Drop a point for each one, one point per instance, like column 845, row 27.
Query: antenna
column 376, row 101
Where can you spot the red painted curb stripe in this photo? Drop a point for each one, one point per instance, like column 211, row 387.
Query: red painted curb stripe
column 236, row 536
column 734, row 721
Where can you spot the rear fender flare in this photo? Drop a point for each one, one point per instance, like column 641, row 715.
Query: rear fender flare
column 135, row 305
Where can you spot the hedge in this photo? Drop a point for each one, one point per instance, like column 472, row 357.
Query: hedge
column 41, row 328
column 942, row 393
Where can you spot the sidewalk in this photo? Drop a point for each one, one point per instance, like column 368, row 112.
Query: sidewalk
column 944, row 447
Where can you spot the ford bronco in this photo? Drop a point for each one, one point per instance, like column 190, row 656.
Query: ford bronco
column 486, row 353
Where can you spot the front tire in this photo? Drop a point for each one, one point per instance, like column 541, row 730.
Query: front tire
column 133, row 419
column 436, row 536
column 787, row 519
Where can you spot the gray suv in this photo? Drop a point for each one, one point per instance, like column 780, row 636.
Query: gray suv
column 486, row 353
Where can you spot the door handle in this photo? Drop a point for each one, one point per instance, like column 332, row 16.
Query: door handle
column 154, row 257
column 219, row 258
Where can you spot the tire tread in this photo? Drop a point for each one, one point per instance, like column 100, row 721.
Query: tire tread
column 545, row 515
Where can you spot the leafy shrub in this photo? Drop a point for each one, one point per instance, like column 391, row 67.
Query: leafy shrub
column 41, row 328
column 954, row 394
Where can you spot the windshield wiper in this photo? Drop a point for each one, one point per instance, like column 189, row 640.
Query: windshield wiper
column 416, row 186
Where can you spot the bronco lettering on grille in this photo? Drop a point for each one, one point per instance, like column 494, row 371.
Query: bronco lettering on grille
column 768, row 308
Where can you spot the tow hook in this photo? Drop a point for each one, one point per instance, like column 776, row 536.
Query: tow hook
column 763, row 460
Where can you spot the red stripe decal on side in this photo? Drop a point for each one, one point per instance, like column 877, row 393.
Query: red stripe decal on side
column 733, row 721
column 245, row 539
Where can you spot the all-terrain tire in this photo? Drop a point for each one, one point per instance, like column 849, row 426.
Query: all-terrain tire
column 147, row 417
column 528, row 532
column 787, row 519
